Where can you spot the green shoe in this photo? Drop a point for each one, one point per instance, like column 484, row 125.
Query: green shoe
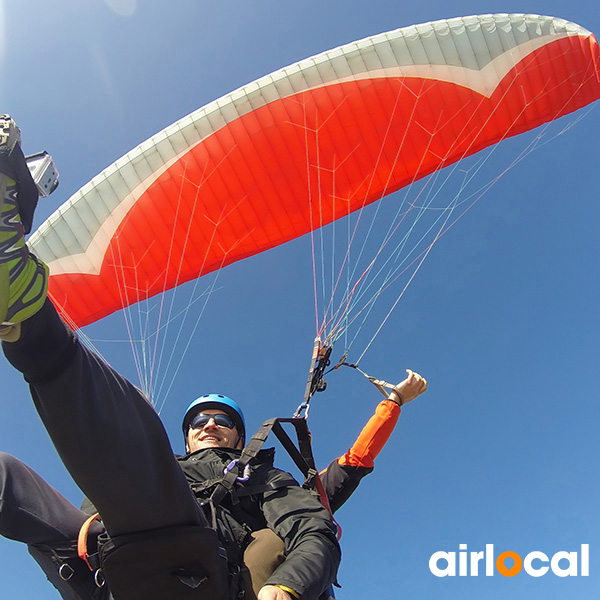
column 23, row 278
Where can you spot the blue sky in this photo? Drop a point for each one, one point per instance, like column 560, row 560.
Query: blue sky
column 501, row 318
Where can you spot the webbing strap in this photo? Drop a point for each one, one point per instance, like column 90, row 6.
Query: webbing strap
column 253, row 447
column 302, row 456
column 383, row 386
column 82, row 541
column 312, row 479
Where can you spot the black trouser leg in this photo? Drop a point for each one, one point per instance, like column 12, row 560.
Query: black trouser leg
column 107, row 434
column 32, row 511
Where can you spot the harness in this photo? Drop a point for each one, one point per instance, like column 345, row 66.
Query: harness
column 302, row 456
column 186, row 562
column 183, row 562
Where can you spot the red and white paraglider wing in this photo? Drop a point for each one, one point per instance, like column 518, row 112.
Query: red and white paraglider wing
column 307, row 145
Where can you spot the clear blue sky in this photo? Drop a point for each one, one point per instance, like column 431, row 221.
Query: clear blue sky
column 502, row 319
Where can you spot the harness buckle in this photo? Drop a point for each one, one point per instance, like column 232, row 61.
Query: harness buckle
column 99, row 578
column 66, row 571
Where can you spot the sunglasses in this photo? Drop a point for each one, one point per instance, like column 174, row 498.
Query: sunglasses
column 201, row 420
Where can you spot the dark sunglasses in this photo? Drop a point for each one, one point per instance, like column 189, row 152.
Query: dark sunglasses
column 201, row 419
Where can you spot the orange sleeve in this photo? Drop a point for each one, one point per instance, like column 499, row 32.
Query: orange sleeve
column 373, row 436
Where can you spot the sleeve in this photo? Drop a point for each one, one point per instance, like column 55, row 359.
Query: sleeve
column 343, row 475
column 373, row 437
column 313, row 553
column 340, row 481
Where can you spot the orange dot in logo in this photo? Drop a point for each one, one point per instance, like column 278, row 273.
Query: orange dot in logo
column 514, row 569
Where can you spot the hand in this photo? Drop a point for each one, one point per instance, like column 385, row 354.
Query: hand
column 272, row 592
column 406, row 391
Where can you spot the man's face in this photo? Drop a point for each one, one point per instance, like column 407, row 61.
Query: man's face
column 211, row 435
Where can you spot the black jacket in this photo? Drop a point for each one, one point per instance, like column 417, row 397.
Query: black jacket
column 270, row 498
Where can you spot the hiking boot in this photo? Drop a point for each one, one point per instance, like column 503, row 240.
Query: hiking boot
column 23, row 278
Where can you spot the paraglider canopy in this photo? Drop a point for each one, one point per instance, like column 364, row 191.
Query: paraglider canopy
column 305, row 146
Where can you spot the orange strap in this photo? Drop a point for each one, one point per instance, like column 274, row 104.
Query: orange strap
column 82, row 540
column 373, row 437
column 325, row 502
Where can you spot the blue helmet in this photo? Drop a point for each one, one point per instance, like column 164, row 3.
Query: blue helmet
column 221, row 402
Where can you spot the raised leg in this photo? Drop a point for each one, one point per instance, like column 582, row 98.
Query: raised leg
column 107, row 434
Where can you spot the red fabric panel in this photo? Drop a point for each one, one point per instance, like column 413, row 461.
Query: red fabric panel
column 268, row 177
